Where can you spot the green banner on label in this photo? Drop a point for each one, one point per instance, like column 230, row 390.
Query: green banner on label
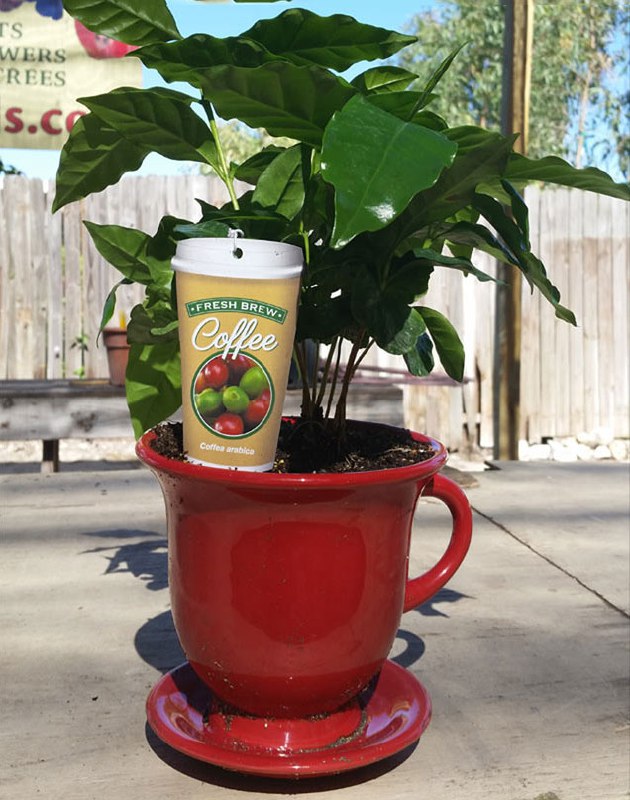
column 239, row 305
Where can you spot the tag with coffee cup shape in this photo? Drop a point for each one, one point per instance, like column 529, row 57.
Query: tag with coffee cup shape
column 237, row 308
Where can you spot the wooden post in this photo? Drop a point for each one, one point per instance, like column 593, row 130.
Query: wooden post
column 517, row 55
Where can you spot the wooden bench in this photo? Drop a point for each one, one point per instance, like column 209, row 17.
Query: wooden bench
column 51, row 410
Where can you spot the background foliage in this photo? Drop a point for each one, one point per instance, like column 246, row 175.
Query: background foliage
column 580, row 100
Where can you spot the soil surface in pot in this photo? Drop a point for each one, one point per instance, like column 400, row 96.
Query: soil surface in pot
column 305, row 446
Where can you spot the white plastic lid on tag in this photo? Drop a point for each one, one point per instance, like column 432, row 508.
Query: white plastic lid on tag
column 234, row 257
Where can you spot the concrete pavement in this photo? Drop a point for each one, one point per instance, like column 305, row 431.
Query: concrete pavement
column 525, row 653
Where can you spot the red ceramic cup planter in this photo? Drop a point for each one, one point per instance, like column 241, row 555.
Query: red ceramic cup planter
column 287, row 593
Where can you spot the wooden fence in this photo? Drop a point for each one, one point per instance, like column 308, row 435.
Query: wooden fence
column 52, row 280
column 573, row 380
column 53, row 283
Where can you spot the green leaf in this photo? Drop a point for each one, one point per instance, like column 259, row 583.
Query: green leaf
column 256, row 223
column 376, row 175
column 477, row 159
column 555, row 170
column 282, row 185
column 322, row 318
column 126, row 250
column 479, row 237
column 208, row 229
column 110, row 304
column 469, row 138
column 94, row 157
column 153, row 324
column 532, row 267
column 520, row 211
column 419, row 359
column 336, row 42
column 153, row 384
column 431, row 120
column 283, row 98
column 381, row 305
column 479, row 156
column 429, row 256
column 400, row 104
column 129, row 21
column 162, row 244
column 190, row 59
column 378, row 80
column 447, row 342
column 251, row 169
column 407, row 337
column 435, row 78
column 159, row 119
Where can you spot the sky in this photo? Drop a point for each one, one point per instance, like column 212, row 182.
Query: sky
column 228, row 19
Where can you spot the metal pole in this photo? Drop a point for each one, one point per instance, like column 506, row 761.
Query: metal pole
column 517, row 55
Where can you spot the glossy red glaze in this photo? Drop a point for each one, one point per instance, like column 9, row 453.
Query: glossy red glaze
column 388, row 716
column 287, row 590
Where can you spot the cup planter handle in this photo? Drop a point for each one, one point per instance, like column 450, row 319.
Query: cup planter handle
column 419, row 590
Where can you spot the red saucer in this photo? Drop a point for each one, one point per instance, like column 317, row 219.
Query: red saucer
column 388, row 716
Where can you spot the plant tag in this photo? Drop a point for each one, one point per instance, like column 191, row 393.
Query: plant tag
column 237, row 309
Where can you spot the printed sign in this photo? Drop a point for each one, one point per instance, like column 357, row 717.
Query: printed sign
column 47, row 60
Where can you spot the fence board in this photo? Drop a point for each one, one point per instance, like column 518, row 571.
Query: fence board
column 548, row 410
column 604, row 335
column 560, row 277
column 73, row 311
column 530, row 339
column 590, row 396
column 53, row 280
column 484, row 303
column 5, row 294
column 53, row 284
column 21, row 306
column 621, row 318
column 575, row 300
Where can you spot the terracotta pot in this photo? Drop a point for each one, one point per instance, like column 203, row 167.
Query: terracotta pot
column 115, row 340
column 287, row 590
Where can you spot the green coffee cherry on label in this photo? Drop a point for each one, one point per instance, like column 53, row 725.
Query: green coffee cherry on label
column 254, row 382
column 235, row 399
column 209, row 402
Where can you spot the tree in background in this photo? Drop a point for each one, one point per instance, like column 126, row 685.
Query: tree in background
column 7, row 169
column 580, row 97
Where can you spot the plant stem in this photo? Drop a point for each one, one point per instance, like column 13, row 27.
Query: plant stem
column 307, row 403
column 307, row 244
column 333, row 384
column 362, row 356
column 223, row 167
column 324, row 382
column 227, row 179
column 351, row 366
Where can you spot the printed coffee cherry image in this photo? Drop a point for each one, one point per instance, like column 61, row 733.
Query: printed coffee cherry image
column 229, row 424
column 215, row 374
column 238, row 366
column 232, row 396
column 235, row 399
column 254, row 382
column 209, row 403
column 257, row 409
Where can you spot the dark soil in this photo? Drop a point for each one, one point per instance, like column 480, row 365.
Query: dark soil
column 306, row 446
